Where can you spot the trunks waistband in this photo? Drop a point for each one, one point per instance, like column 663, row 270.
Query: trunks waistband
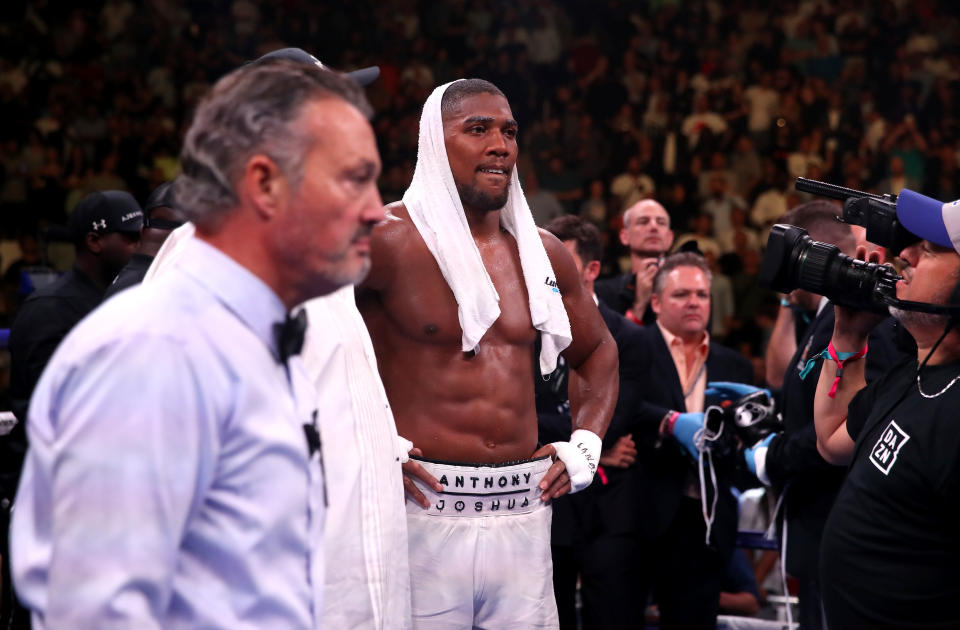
column 478, row 490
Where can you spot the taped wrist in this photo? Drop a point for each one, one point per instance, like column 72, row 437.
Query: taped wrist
column 580, row 455
column 403, row 449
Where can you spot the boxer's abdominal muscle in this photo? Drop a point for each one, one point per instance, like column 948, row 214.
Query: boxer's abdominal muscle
column 455, row 405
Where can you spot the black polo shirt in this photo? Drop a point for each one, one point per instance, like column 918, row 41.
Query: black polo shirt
column 131, row 275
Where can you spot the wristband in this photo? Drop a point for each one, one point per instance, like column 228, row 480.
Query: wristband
column 840, row 358
column 672, row 420
column 403, row 449
column 580, row 455
column 633, row 318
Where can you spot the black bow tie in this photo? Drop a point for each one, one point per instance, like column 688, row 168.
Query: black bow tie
column 289, row 335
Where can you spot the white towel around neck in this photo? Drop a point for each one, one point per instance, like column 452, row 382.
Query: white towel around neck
column 436, row 210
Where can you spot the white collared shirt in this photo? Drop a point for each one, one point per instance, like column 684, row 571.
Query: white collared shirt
column 169, row 482
column 365, row 544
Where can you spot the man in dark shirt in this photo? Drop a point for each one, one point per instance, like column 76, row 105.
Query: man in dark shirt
column 789, row 461
column 161, row 215
column 593, row 538
column 105, row 227
column 890, row 552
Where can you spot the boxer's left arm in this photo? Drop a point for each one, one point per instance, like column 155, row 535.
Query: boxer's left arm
column 594, row 366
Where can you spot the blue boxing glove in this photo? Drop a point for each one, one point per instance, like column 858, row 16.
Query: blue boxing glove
column 684, row 428
column 719, row 391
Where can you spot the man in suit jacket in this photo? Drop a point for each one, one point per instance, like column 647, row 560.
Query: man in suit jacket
column 594, row 531
column 683, row 558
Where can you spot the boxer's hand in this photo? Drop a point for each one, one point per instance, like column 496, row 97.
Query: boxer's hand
column 411, row 469
column 623, row 453
column 556, row 482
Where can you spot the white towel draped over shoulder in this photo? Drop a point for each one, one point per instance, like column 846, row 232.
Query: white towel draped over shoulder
column 435, row 208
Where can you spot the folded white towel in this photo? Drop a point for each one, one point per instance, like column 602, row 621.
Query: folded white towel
column 434, row 205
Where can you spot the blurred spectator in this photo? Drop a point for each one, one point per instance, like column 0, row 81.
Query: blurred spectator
column 543, row 204
column 632, row 185
column 161, row 215
column 720, row 202
column 739, row 237
column 701, row 226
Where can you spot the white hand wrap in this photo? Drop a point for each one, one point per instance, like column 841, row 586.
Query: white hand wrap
column 580, row 455
column 403, row 449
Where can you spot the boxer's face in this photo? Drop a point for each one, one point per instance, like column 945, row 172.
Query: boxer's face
column 683, row 307
column 324, row 235
column 481, row 141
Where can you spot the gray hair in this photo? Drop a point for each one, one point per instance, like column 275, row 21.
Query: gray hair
column 254, row 109
column 680, row 259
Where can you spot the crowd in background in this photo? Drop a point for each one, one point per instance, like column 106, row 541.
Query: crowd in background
column 712, row 108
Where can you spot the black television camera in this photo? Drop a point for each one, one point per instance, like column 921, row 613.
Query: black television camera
column 795, row 261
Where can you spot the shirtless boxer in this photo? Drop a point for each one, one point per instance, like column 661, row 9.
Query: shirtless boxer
column 480, row 538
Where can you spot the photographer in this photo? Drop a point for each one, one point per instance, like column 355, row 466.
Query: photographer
column 890, row 550
column 790, row 461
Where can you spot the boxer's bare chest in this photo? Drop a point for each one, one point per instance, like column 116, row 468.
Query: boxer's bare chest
column 421, row 303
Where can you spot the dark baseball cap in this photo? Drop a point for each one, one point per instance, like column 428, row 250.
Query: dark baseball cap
column 101, row 212
column 161, row 197
column 363, row 76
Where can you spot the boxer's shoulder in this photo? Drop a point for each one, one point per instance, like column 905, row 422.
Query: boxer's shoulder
column 395, row 243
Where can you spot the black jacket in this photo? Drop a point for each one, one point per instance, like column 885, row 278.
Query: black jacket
column 663, row 467
column 602, row 507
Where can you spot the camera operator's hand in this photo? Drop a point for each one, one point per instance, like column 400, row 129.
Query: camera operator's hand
column 851, row 326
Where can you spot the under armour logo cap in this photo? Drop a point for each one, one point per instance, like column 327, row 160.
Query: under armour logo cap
column 101, row 212
column 363, row 76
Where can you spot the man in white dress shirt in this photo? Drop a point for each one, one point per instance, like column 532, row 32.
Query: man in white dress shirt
column 365, row 534
column 172, row 481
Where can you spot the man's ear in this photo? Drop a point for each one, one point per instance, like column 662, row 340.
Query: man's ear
column 592, row 270
column 623, row 237
column 93, row 242
column 655, row 303
column 672, row 236
column 264, row 186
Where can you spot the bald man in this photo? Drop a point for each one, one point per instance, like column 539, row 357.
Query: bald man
column 646, row 231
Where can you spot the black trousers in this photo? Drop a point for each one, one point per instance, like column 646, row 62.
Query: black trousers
column 683, row 574
column 607, row 568
column 811, row 606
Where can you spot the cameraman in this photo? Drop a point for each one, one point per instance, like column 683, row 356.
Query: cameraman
column 790, row 462
column 890, row 548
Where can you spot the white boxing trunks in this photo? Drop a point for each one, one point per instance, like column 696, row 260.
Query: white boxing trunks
column 480, row 554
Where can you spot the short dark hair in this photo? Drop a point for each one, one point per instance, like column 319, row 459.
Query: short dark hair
column 587, row 237
column 460, row 90
column 819, row 219
column 680, row 259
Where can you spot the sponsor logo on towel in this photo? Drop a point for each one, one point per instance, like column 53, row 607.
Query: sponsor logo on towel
column 552, row 284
